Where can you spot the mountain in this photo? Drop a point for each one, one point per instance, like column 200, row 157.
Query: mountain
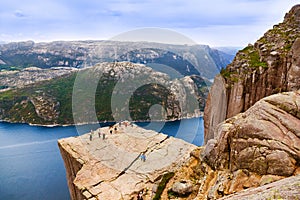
column 185, row 59
column 230, row 51
column 109, row 91
column 269, row 66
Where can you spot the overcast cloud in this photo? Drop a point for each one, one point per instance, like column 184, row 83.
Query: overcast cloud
column 213, row 22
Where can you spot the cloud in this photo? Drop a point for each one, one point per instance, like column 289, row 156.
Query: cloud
column 19, row 13
column 94, row 19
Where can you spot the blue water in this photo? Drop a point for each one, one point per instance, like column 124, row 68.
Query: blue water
column 31, row 166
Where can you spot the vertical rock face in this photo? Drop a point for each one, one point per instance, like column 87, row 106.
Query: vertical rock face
column 269, row 66
column 213, row 115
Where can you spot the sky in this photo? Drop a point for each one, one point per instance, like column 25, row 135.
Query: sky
column 211, row 22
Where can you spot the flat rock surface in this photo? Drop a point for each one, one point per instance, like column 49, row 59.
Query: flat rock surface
column 113, row 168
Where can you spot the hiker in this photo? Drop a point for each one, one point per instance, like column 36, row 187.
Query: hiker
column 110, row 131
column 99, row 134
column 91, row 136
column 103, row 136
column 143, row 157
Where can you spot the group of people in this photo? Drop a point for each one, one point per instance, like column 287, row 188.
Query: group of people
column 99, row 135
column 111, row 129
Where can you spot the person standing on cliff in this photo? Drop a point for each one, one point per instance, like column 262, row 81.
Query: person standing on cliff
column 99, row 134
column 143, row 157
column 103, row 136
column 91, row 136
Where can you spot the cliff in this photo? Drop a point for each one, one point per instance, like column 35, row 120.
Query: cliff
column 254, row 149
column 269, row 66
column 112, row 168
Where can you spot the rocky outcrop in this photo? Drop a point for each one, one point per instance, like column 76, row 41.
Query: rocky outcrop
column 258, row 146
column 28, row 76
column 112, row 168
column 265, row 139
column 46, row 107
column 249, row 150
column 269, row 66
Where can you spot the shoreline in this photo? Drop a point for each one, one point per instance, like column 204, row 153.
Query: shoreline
column 99, row 122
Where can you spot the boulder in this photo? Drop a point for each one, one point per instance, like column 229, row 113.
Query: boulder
column 182, row 188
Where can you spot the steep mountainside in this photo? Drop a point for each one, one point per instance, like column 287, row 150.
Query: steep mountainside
column 193, row 58
column 269, row 66
column 101, row 91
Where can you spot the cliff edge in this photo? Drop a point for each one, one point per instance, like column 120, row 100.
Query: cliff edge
column 270, row 66
column 115, row 167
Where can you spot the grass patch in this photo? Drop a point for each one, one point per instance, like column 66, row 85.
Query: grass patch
column 162, row 185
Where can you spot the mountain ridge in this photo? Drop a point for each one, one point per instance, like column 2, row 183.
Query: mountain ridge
column 88, row 53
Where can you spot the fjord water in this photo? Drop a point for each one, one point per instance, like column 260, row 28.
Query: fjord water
column 31, row 166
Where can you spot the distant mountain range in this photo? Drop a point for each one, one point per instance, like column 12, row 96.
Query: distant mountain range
column 229, row 50
column 185, row 59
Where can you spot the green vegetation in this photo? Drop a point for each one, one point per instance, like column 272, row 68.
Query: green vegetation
column 9, row 68
column 145, row 97
column 252, row 55
column 225, row 73
column 255, row 60
column 16, row 105
column 162, row 185
column 231, row 76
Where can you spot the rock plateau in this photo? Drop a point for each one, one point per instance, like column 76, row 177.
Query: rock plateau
column 111, row 168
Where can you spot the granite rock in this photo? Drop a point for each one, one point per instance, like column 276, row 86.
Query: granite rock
column 112, row 168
